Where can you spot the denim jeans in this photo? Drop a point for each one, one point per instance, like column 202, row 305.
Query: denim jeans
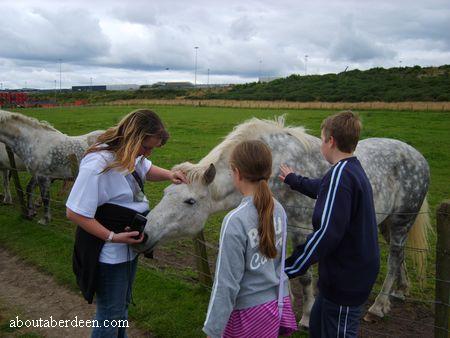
column 113, row 295
column 333, row 320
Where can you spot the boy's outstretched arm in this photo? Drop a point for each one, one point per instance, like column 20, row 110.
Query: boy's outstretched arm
column 306, row 186
column 334, row 223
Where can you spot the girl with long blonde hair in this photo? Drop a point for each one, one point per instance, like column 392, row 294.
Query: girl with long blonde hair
column 106, row 199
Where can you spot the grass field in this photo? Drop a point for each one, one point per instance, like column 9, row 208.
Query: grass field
column 166, row 305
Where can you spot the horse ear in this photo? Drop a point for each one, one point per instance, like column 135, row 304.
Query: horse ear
column 209, row 174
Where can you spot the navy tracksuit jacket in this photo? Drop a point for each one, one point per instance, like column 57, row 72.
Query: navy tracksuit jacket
column 345, row 237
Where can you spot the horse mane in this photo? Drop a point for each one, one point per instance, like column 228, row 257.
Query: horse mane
column 6, row 116
column 249, row 130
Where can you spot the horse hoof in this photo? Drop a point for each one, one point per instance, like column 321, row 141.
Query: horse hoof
column 371, row 318
column 304, row 323
column 43, row 221
column 303, row 327
column 398, row 295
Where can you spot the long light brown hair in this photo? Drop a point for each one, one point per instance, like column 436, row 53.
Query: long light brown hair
column 253, row 159
column 125, row 139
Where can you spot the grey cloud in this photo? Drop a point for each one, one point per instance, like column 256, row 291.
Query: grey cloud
column 242, row 28
column 137, row 13
column 351, row 44
column 233, row 36
column 71, row 34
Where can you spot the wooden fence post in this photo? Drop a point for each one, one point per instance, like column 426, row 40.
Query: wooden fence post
column 16, row 180
column 442, row 307
column 204, row 273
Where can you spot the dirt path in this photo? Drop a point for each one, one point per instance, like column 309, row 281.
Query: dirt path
column 37, row 295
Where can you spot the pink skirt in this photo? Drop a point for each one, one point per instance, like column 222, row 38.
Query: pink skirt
column 262, row 321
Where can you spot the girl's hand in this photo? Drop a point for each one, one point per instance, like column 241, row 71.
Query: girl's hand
column 127, row 237
column 285, row 170
column 178, row 177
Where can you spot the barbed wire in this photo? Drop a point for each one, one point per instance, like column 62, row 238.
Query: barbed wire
column 377, row 212
column 215, row 247
column 285, row 206
column 376, row 332
column 61, row 202
column 170, row 264
column 423, row 324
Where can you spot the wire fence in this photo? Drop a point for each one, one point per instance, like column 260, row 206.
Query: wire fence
column 169, row 263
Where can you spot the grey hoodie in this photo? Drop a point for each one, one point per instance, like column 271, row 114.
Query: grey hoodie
column 244, row 276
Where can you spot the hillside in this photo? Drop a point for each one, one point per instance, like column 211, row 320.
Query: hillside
column 376, row 84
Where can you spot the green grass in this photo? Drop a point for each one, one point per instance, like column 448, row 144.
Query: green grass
column 167, row 306
column 8, row 314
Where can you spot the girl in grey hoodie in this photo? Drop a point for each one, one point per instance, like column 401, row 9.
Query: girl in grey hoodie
column 250, row 297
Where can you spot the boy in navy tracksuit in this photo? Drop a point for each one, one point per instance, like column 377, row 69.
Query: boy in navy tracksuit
column 344, row 241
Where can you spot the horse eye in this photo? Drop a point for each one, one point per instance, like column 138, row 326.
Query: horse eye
column 190, row 201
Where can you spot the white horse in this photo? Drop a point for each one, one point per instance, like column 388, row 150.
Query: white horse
column 44, row 151
column 398, row 173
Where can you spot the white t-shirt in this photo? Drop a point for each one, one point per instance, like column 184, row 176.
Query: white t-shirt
column 93, row 188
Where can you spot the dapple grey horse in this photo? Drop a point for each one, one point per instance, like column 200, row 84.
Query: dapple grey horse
column 398, row 173
column 44, row 151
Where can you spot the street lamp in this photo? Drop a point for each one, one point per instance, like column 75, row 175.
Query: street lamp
column 306, row 62
column 208, row 78
column 195, row 76
column 60, row 62
column 259, row 71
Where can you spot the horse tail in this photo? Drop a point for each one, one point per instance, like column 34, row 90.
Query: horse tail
column 418, row 240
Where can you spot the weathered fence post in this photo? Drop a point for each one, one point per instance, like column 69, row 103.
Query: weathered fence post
column 442, row 307
column 16, row 180
column 204, row 273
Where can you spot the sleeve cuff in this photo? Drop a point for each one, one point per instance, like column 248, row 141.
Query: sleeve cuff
column 80, row 211
column 290, row 179
column 210, row 333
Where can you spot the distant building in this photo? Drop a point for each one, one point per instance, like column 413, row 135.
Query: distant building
column 122, row 87
column 180, row 84
column 105, row 87
column 88, row 88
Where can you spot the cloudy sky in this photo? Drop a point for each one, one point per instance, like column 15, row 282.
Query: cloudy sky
column 142, row 42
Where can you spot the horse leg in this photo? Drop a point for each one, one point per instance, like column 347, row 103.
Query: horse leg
column 6, row 191
column 44, row 185
column 65, row 188
column 399, row 226
column 307, row 286
column 31, row 210
column 401, row 286
column 306, row 281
